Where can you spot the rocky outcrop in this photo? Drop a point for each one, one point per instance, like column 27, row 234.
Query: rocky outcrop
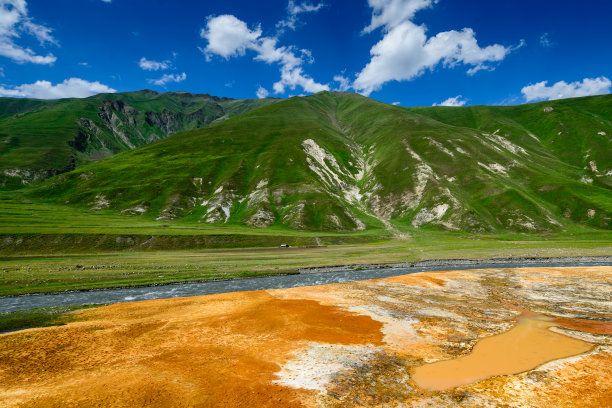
column 114, row 123
column 165, row 121
column 19, row 177
column 123, row 108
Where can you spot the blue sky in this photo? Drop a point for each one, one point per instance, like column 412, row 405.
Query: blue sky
column 415, row 52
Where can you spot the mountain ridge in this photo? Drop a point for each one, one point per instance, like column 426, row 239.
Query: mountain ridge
column 343, row 162
column 42, row 138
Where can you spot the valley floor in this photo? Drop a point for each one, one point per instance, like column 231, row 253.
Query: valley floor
column 43, row 272
column 367, row 343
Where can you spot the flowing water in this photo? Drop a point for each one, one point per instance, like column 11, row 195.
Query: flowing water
column 9, row 304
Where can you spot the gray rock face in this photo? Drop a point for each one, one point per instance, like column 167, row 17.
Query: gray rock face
column 127, row 124
column 165, row 121
column 123, row 108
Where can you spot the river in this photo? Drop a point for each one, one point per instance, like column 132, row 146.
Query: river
column 134, row 294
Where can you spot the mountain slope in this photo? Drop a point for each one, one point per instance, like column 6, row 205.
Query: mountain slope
column 339, row 161
column 41, row 138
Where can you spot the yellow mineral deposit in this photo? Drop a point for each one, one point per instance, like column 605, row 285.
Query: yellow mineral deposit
column 340, row 345
column 529, row 344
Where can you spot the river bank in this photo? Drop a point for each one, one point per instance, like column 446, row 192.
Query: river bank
column 40, row 273
column 308, row 277
column 451, row 263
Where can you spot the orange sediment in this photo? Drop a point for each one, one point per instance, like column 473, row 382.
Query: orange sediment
column 590, row 326
column 220, row 350
column 359, row 341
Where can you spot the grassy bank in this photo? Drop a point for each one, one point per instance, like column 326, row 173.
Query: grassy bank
column 43, row 317
column 27, row 244
column 21, row 274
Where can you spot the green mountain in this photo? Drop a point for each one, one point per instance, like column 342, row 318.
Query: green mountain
column 343, row 162
column 42, row 138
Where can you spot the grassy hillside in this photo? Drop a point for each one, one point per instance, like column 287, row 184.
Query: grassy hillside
column 42, row 138
column 342, row 162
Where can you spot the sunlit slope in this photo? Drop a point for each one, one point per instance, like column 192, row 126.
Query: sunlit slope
column 42, row 138
column 339, row 161
column 577, row 130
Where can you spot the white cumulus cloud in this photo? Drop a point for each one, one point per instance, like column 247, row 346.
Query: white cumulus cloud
column 295, row 9
column 391, row 13
column 453, row 101
column 229, row 37
column 14, row 21
column 561, row 89
column 344, row 84
column 167, row 78
column 151, row 65
column 293, row 12
column 70, row 88
column 406, row 52
column 262, row 92
column 293, row 77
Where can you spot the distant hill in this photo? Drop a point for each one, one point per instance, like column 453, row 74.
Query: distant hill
column 343, row 162
column 42, row 138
